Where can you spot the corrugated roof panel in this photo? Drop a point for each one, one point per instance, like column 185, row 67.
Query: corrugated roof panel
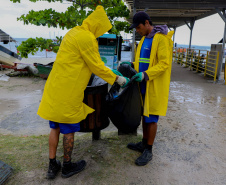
column 4, row 37
column 175, row 13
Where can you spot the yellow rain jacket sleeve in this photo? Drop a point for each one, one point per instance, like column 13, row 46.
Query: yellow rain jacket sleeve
column 159, row 72
column 76, row 60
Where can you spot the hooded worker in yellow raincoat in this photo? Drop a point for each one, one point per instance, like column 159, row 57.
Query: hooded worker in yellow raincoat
column 62, row 102
column 153, row 63
column 158, row 72
column 78, row 57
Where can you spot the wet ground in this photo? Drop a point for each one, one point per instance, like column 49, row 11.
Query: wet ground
column 191, row 139
column 20, row 97
column 19, row 101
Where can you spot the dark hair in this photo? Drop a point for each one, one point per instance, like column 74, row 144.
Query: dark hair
column 143, row 22
column 140, row 18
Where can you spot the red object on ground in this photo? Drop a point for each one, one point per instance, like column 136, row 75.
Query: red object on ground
column 12, row 67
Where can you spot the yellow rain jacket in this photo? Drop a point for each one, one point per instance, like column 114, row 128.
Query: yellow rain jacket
column 159, row 71
column 78, row 57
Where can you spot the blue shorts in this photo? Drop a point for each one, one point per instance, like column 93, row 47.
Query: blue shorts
column 65, row 128
column 151, row 118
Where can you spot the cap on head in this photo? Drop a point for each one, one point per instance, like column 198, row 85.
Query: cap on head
column 139, row 17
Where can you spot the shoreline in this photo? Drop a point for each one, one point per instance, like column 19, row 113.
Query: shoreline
column 40, row 60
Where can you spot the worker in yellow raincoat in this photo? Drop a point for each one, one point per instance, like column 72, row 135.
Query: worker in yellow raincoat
column 153, row 63
column 62, row 102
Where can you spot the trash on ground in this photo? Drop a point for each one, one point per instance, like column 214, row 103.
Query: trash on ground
column 4, row 77
column 44, row 70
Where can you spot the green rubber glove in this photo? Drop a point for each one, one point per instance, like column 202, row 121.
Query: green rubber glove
column 116, row 72
column 139, row 76
column 127, row 81
column 129, row 63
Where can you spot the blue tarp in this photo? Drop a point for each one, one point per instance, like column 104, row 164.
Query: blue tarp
column 109, row 36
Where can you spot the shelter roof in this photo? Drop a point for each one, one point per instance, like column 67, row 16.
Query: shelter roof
column 176, row 13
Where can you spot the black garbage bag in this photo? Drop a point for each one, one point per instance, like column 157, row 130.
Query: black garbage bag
column 124, row 106
column 127, row 70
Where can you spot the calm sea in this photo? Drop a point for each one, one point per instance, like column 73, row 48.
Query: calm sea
column 195, row 47
column 12, row 46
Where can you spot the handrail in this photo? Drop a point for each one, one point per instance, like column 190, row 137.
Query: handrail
column 198, row 60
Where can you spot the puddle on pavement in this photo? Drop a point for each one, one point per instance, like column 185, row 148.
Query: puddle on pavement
column 207, row 106
column 186, row 93
column 194, row 112
column 17, row 102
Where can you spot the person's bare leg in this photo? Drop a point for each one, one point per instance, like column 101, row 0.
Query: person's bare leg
column 53, row 142
column 145, row 129
column 54, row 165
column 146, row 156
column 68, row 143
column 70, row 168
column 152, row 130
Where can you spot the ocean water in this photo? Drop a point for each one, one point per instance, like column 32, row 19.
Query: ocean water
column 195, row 47
column 202, row 49
column 12, row 46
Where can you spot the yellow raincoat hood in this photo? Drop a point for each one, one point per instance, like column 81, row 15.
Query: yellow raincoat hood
column 97, row 22
column 78, row 57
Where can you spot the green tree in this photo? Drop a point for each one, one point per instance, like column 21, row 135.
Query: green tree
column 73, row 16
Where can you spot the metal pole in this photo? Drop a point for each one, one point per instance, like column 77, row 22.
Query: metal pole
column 191, row 58
column 215, row 75
column 225, row 72
column 186, row 63
column 174, row 34
column 197, row 66
column 134, row 31
column 223, row 46
column 118, row 40
column 224, row 38
column 190, row 38
column 192, row 25
column 192, row 22
column 207, row 56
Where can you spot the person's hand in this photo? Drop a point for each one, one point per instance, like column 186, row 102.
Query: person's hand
column 116, row 72
column 139, row 76
column 122, row 81
column 129, row 63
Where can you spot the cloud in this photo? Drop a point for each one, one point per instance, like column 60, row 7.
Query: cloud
column 206, row 31
column 9, row 12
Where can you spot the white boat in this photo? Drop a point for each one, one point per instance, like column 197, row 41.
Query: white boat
column 8, row 57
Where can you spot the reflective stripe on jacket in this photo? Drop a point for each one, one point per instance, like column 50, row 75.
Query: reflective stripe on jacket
column 159, row 71
column 144, row 60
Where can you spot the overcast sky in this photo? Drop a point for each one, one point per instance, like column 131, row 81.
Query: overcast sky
column 206, row 31
column 10, row 11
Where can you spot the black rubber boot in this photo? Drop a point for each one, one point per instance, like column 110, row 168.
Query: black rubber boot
column 53, row 170
column 145, row 157
column 136, row 146
column 70, row 168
